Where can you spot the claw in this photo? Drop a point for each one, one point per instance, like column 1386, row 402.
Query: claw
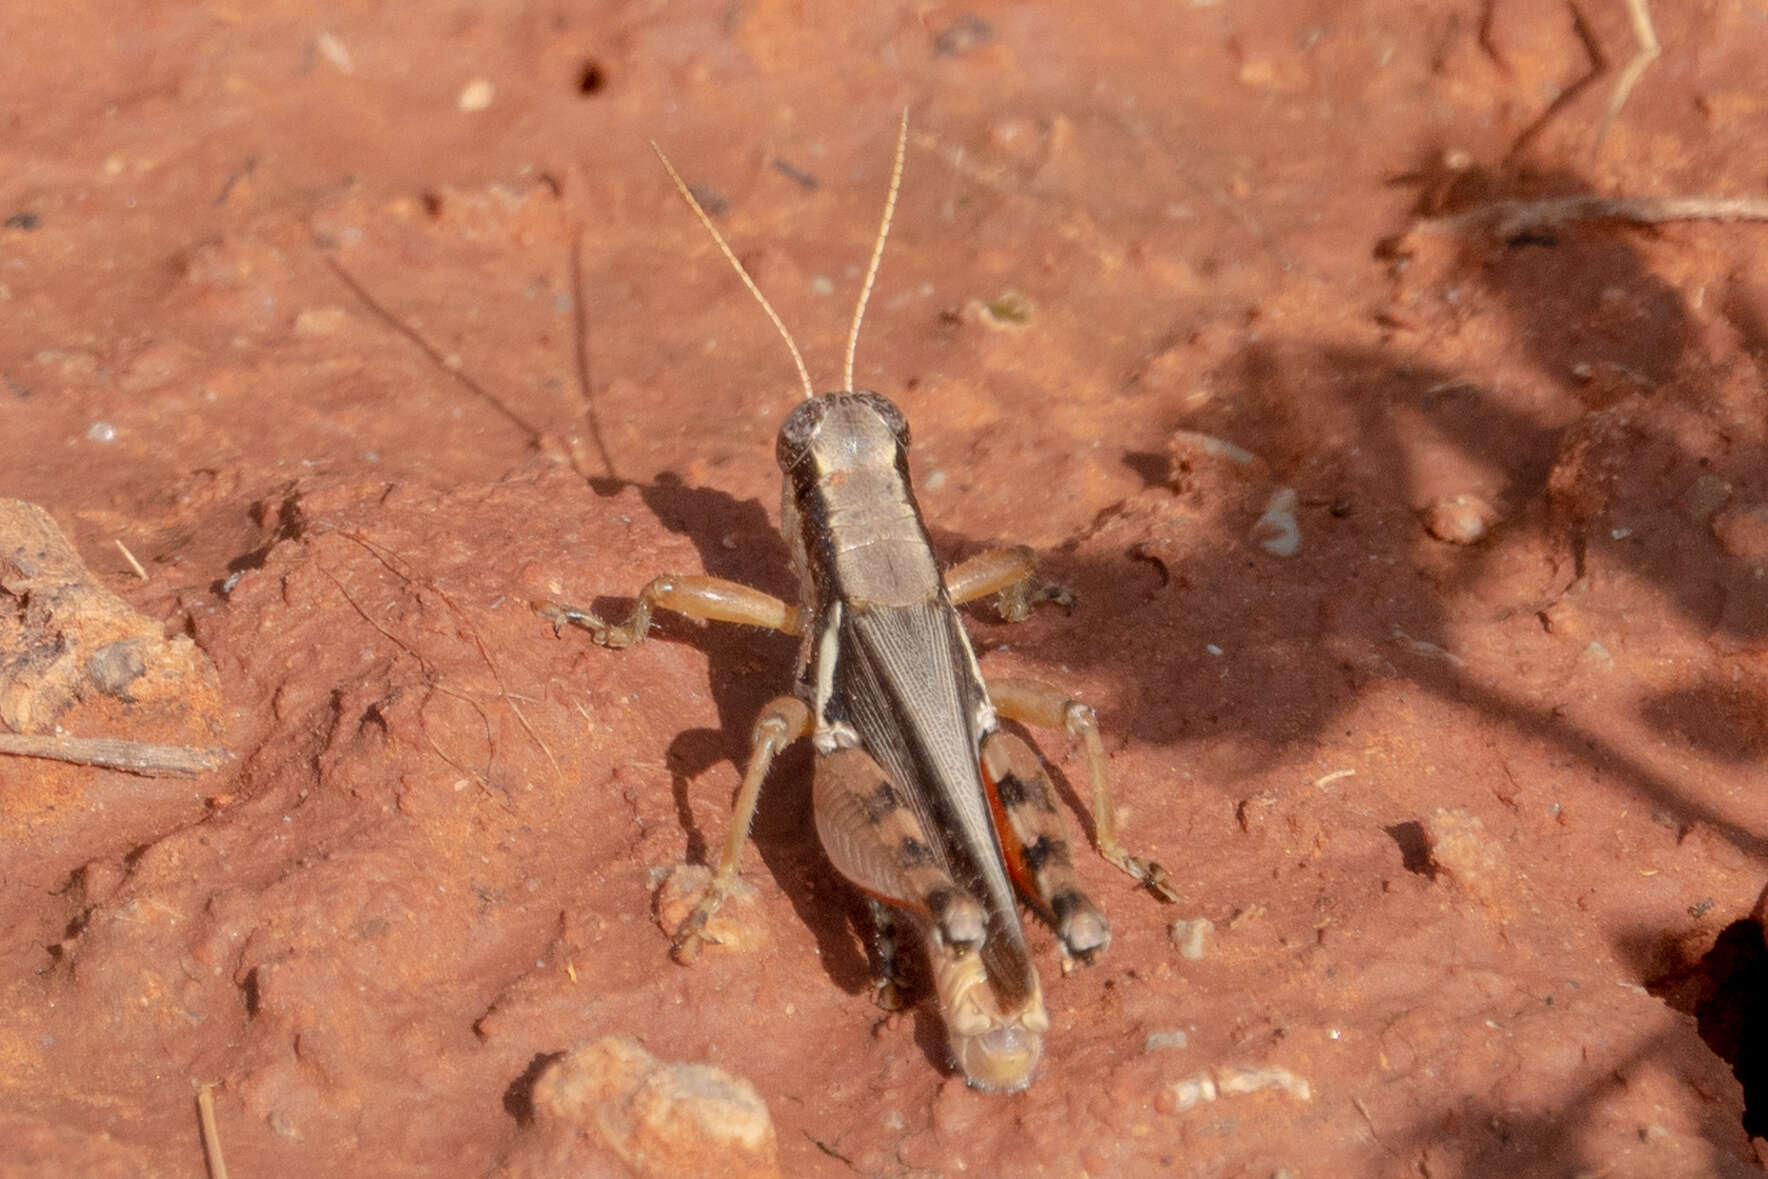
column 686, row 946
column 551, row 612
column 1149, row 874
column 691, row 934
column 1059, row 595
column 887, row 993
column 1016, row 602
column 563, row 616
column 692, row 911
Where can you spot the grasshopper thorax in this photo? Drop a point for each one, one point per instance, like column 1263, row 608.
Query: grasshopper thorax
column 849, row 510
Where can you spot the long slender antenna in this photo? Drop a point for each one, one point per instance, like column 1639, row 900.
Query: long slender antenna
column 865, row 292
column 729, row 256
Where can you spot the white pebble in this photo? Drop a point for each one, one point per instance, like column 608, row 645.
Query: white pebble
column 1162, row 1041
column 1277, row 531
column 476, row 95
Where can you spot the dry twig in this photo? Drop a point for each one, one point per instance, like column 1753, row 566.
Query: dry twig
column 135, row 757
column 1508, row 219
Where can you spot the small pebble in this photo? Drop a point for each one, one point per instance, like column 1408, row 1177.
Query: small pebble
column 1009, row 309
column 101, row 432
column 1704, row 497
column 1189, row 936
column 320, row 321
column 1743, row 531
column 1277, row 531
column 1161, row 1041
column 1185, row 440
column 333, row 50
column 476, row 95
column 1189, row 1093
column 1459, row 519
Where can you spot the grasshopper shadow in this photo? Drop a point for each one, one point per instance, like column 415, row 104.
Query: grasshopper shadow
column 747, row 667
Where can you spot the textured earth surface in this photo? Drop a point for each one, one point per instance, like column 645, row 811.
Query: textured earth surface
column 1421, row 558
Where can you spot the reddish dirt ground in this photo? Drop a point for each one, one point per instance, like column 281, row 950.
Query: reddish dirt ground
column 357, row 354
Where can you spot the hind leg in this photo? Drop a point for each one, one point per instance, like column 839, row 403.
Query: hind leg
column 1036, row 844
column 1036, row 703
column 874, row 839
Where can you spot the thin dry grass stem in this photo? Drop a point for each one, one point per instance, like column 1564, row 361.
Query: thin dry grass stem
column 387, row 558
column 130, row 557
column 1504, row 220
column 205, row 1114
column 432, row 680
column 1649, row 50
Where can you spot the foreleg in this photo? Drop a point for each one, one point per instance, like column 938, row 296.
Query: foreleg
column 711, row 598
column 1011, row 575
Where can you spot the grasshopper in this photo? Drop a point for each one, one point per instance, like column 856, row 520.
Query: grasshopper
column 920, row 798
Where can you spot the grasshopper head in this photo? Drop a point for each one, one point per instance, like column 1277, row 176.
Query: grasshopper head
column 842, row 432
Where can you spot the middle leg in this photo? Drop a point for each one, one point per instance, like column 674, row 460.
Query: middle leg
column 873, row 838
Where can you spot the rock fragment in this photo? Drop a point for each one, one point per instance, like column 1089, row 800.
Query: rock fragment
column 1743, row 532
column 1459, row 519
column 65, row 638
column 1230, row 1081
column 733, row 927
column 610, row 1102
column 1461, row 847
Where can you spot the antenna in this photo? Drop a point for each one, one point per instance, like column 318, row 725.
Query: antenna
column 724, row 247
column 865, row 291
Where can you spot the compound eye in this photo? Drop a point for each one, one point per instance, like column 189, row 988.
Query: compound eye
column 893, row 417
column 797, row 432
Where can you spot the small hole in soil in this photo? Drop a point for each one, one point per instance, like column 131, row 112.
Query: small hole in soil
column 1723, row 992
column 518, row 1099
column 1155, row 470
column 1414, row 847
column 249, row 989
column 432, row 203
column 590, row 78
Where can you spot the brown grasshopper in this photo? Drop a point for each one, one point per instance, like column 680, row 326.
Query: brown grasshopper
column 919, row 797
